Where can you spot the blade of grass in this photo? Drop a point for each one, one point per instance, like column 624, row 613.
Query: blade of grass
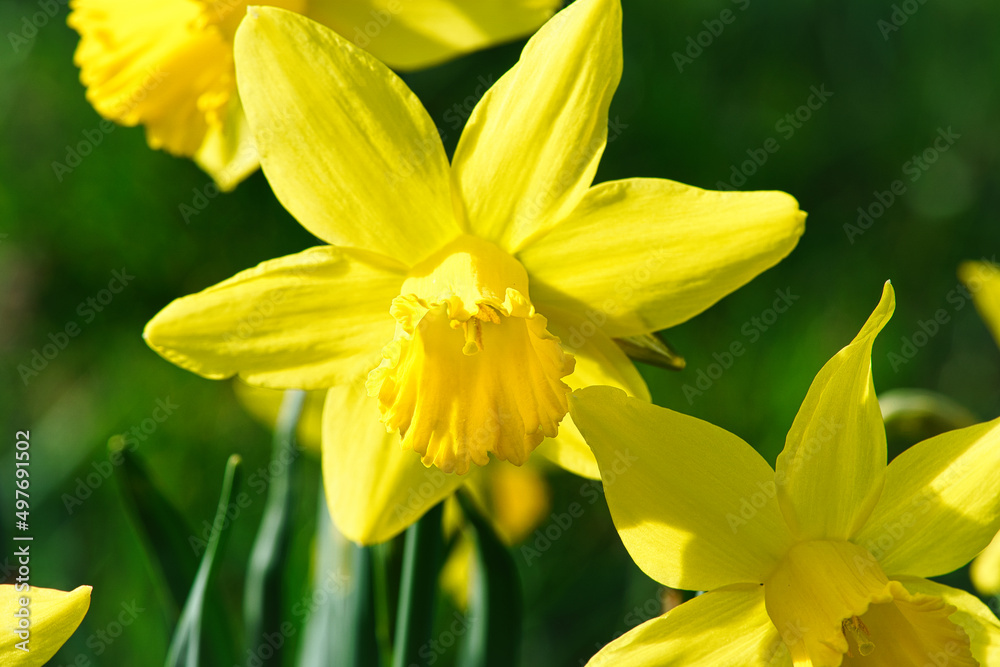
column 185, row 647
column 262, row 594
column 341, row 626
column 495, row 605
column 422, row 555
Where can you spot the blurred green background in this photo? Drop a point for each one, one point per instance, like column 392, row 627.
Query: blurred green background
column 888, row 94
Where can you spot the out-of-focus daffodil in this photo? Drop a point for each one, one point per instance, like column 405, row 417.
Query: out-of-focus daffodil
column 823, row 560
column 982, row 279
column 418, row 315
column 168, row 64
column 37, row 622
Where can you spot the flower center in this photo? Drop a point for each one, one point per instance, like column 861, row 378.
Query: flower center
column 472, row 368
column 834, row 606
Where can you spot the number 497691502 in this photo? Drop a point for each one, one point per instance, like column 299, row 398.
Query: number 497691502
column 22, row 456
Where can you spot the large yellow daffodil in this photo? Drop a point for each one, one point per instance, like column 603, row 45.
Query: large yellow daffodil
column 431, row 263
column 37, row 622
column 821, row 561
column 168, row 64
column 982, row 279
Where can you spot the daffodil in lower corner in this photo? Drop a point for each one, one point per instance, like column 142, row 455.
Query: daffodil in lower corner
column 37, row 622
column 168, row 64
column 822, row 561
column 457, row 304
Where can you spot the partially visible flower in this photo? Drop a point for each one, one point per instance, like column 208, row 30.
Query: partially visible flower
column 820, row 562
column 30, row 638
column 982, row 279
column 456, row 304
column 168, row 64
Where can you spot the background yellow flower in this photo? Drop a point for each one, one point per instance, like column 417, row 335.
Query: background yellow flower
column 168, row 64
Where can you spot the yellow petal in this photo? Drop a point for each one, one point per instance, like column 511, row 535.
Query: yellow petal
column 727, row 628
column 985, row 570
column 599, row 361
column 227, row 151
column 154, row 62
column 347, row 148
column 374, row 488
column 305, row 321
column 833, row 463
column 264, row 405
column 983, row 281
column 52, row 617
column 946, row 485
column 532, row 144
column 411, row 34
column 650, row 253
column 694, row 504
column 975, row 618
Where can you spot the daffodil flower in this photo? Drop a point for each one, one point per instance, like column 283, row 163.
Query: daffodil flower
column 37, row 622
column 982, row 279
column 168, row 64
column 456, row 303
column 821, row 561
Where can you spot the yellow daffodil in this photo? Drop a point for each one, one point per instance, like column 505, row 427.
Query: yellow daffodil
column 456, row 303
column 168, row 64
column 821, row 561
column 982, row 279
column 37, row 622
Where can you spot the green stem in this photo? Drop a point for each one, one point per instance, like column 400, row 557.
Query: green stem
column 422, row 556
column 380, row 591
column 263, row 588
